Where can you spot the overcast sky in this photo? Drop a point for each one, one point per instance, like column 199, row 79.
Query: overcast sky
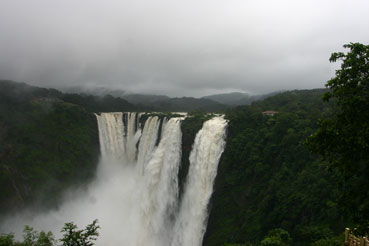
column 177, row 47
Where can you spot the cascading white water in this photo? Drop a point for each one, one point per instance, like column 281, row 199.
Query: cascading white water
column 159, row 192
column 114, row 141
column 111, row 130
column 156, row 189
column 132, row 137
column 209, row 144
column 135, row 194
column 161, row 221
column 147, row 142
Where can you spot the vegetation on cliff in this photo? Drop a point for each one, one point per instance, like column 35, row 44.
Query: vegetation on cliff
column 46, row 145
column 268, row 179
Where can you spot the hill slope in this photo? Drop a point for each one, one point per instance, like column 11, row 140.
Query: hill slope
column 268, row 179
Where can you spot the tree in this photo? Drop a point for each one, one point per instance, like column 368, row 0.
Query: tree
column 34, row 238
column 30, row 238
column 71, row 236
column 6, row 239
column 343, row 138
column 74, row 237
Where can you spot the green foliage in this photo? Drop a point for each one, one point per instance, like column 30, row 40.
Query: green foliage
column 343, row 139
column 48, row 149
column 267, row 178
column 335, row 241
column 237, row 244
column 34, row 238
column 71, row 237
column 6, row 239
column 277, row 237
column 309, row 234
column 45, row 239
column 30, row 238
column 74, row 237
column 47, row 145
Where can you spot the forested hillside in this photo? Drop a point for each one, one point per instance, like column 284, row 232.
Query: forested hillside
column 267, row 178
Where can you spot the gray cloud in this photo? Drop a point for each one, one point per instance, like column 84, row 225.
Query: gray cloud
column 177, row 47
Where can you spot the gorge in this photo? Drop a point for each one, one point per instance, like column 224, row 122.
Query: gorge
column 135, row 196
column 49, row 146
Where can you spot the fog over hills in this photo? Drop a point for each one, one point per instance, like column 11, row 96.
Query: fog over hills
column 93, row 99
column 154, row 102
column 237, row 98
column 164, row 102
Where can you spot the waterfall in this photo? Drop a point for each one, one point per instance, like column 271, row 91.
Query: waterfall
column 114, row 141
column 160, row 187
column 147, row 142
column 111, row 130
column 132, row 137
column 135, row 195
column 192, row 217
column 162, row 220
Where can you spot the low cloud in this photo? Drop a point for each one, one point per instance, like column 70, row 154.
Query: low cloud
column 187, row 48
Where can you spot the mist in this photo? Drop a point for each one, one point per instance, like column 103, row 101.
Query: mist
column 107, row 199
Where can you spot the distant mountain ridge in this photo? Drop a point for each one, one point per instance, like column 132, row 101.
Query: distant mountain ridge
column 214, row 102
column 189, row 104
column 144, row 99
column 237, row 98
column 95, row 91
column 23, row 93
column 155, row 102
column 102, row 100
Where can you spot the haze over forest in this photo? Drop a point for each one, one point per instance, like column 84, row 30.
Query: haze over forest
column 177, row 48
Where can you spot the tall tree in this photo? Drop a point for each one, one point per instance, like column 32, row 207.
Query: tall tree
column 343, row 139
